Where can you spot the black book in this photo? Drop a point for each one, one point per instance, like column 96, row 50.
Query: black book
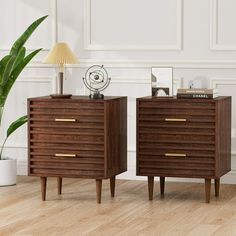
column 196, row 95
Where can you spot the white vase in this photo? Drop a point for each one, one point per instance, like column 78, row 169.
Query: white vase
column 7, row 172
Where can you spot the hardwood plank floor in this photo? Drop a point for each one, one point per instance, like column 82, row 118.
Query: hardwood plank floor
column 182, row 211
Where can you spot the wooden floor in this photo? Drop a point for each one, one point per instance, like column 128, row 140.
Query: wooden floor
column 183, row 211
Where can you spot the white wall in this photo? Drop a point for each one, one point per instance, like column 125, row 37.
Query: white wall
column 196, row 37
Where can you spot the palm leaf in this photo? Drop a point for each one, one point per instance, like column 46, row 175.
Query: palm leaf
column 13, row 76
column 19, row 58
column 24, row 63
column 8, row 69
column 3, row 64
column 13, row 127
column 24, row 37
column 16, row 124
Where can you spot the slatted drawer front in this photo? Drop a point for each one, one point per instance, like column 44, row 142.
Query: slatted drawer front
column 66, row 139
column 176, row 137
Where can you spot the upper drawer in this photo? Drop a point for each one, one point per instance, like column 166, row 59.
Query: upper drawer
column 177, row 112
column 66, row 108
column 51, row 114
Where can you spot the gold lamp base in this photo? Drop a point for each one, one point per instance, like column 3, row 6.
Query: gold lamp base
column 60, row 95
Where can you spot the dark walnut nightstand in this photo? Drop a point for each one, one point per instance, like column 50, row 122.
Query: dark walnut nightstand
column 188, row 138
column 77, row 138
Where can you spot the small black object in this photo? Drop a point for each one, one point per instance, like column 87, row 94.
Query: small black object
column 96, row 80
column 60, row 95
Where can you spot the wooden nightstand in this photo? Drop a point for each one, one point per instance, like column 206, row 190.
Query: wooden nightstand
column 183, row 138
column 77, row 138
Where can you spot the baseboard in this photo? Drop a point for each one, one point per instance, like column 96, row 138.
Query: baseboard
column 230, row 178
column 22, row 167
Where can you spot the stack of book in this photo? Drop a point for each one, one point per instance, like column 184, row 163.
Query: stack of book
column 197, row 93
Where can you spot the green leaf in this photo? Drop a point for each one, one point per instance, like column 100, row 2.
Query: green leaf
column 24, row 37
column 13, row 76
column 4, row 60
column 12, row 63
column 8, row 69
column 16, row 124
column 3, row 64
column 13, row 127
column 24, row 63
column 19, row 58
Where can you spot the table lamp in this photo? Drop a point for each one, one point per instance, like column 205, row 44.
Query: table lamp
column 61, row 54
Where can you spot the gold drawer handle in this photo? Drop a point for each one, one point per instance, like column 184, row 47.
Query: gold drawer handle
column 175, row 155
column 174, row 119
column 64, row 155
column 65, row 120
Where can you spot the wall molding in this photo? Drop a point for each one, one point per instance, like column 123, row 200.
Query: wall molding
column 214, row 30
column 54, row 13
column 220, row 81
column 88, row 45
column 176, row 64
column 136, row 80
column 39, row 79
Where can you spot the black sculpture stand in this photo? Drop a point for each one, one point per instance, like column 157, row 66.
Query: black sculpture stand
column 96, row 96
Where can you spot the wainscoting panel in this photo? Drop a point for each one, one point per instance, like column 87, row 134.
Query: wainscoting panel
column 222, row 35
column 115, row 25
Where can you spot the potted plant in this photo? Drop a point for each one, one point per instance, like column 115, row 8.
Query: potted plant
column 11, row 66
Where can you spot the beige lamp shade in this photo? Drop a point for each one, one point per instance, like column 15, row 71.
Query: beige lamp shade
column 60, row 54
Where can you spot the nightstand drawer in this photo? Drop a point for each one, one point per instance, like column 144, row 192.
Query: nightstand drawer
column 66, row 115
column 63, row 158
column 67, row 163
column 66, row 151
column 168, row 150
column 177, row 114
column 176, row 167
column 179, row 161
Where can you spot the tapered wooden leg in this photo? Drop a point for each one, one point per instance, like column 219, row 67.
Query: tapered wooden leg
column 217, row 187
column 150, row 187
column 112, row 185
column 43, row 187
column 162, row 185
column 99, row 190
column 208, row 189
column 59, row 185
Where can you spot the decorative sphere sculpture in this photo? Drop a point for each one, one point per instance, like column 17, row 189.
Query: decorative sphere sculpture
column 96, row 80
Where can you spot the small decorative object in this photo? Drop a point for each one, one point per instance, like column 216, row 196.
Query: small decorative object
column 198, row 82
column 96, row 80
column 162, row 82
column 61, row 54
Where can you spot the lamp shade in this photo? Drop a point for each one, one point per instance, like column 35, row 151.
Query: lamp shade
column 60, row 54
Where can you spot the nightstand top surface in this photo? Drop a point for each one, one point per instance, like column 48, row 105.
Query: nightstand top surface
column 174, row 98
column 81, row 98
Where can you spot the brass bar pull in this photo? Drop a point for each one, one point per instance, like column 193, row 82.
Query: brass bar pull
column 175, row 155
column 175, row 119
column 65, row 120
column 64, row 155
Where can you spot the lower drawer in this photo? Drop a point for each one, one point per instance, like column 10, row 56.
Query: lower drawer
column 175, row 167
column 66, row 166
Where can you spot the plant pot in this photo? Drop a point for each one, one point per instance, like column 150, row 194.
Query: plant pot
column 7, row 172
